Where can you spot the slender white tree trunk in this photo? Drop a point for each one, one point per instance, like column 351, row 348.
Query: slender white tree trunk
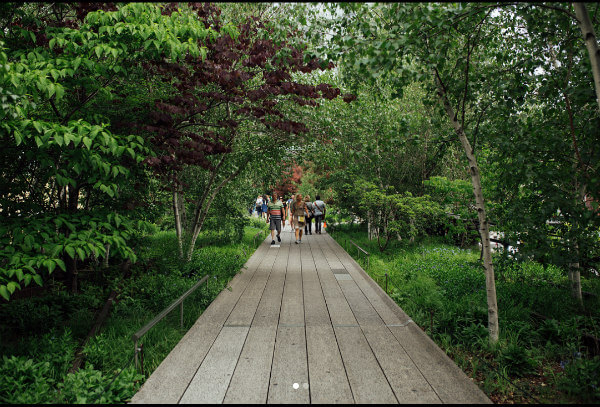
column 203, row 207
column 591, row 43
column 493, row 326
column 575, row 276
column 178, row 229
column 106, row 255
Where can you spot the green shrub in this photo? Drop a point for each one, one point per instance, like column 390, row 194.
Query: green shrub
column 582, row 378
column 516, row 359
column 160, row 254
column 24, row 381
column 58, row 349
column 38, row 314
column 88, row 385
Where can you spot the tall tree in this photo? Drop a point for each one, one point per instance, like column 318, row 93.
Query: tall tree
column 63, row 64
column 226, row 111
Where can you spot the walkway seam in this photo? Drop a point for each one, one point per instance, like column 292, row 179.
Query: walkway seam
column 351, row 259
column 332, row 327
column 225, row 320
column 361, row 329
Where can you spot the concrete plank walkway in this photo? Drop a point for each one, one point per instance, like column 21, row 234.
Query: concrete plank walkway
column 303, row 323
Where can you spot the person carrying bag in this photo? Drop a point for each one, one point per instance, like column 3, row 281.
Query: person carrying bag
column 299, row 214
column 309, row 218
column 319, row 210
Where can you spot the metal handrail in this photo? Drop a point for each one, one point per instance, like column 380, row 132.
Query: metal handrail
column 360, row 249
column 257, row 235
column 136, row 336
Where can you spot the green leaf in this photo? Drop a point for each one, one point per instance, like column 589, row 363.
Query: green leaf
column 61, row 264
column 70, row 251
column 51, row 89
column 60, row 91
column 27, row 279
column 4, row 292
column 38, row 279
column 12, row 286
column 81, row 253
column 88, row 142
column 18, row 137
column 38, row 126
column 50, row 264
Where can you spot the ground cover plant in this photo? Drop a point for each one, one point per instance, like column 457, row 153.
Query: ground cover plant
column 40, row 335
column 541, row 355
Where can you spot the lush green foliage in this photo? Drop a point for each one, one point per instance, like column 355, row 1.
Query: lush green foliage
column 40, row 334
column 442, row 288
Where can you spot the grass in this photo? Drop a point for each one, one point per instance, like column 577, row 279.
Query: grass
column 540, row 355
column 46, row 330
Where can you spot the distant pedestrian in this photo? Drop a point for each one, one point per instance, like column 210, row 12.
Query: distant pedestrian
column 265, row 202
column 289, row 211
column 284, row 210
column 319, row 210
column 259, row 202
column 299, row 214
column 274, row 217
column 309, row 218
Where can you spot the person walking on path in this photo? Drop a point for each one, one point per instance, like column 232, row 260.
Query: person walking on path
column 265, row 202
column 274, row 217
column 309, row 218
column 288, row 215
column 299, row 214
column 259, row 202
column 283, row 210
column 319, row 213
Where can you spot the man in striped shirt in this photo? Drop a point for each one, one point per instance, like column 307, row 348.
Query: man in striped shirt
column 274, row 216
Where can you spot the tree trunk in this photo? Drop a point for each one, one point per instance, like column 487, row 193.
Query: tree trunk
column 99, row 321
column 369, row 225
column 575, row 278
column 106, row 255
column 574, row 271
column 177, row 217
column 202, row 211
column 591, row 43
column 490, row 283
column 71, row 263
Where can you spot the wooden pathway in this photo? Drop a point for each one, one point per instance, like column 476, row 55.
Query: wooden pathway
column 305, row 324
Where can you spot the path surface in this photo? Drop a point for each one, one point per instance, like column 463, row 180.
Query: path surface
column 305, row 324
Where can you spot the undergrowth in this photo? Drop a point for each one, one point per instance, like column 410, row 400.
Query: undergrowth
column 40, row 335
column 542, row 354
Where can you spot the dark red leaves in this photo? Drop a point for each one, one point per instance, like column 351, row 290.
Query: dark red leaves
column 218, row 93
column 349, row 97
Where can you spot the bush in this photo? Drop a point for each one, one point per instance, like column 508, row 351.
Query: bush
column 516, row 359
column 88, row 385
column 58, row 349
column 38, row 314
column 24, row 381
column 582, row 378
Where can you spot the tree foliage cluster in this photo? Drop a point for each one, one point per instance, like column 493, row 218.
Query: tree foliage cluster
column 110, row 112
column 511, row 85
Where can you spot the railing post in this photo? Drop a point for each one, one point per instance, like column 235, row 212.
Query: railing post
column 369, row 261
column 142, row 357
column 181, row 315
column 386, row 283
column 135, row 352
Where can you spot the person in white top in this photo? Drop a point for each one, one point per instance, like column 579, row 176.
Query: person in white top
column 259, row 202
